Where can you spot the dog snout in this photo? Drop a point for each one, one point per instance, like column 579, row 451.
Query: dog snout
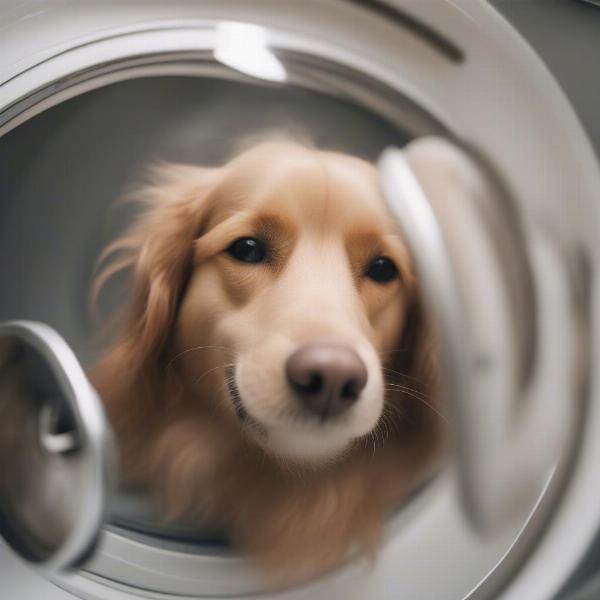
column 327, row 377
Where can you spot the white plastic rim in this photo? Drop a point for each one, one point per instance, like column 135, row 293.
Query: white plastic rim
column 507, row 321
column 97, row 459
column 523, row 125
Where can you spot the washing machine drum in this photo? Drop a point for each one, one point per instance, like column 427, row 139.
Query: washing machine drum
column 493, row 185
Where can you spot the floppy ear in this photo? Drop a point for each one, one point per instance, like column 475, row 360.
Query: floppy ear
column 413, row 380
column 416, row 353
column 158, row 248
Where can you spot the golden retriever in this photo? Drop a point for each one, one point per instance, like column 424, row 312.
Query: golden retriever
column 274, row 371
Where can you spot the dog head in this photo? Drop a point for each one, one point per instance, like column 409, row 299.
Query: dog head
column 276, row 287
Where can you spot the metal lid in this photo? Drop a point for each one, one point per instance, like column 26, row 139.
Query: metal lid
column 56, row 450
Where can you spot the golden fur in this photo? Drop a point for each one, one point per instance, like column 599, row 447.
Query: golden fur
column 294, row 495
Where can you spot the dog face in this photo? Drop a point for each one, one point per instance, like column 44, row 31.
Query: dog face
column 247, row 386
column 299, row 285
column 275, row 286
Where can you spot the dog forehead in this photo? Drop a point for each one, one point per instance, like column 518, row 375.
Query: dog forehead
column 353, row 188
column 305, row 186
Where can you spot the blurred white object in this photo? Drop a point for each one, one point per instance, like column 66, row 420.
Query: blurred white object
column 512, row 422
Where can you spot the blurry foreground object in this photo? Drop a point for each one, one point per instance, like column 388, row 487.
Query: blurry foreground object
column 53, row 461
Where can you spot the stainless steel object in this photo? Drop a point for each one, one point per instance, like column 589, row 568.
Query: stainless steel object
column 56, row 453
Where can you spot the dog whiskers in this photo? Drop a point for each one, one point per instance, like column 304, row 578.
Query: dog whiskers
column 402, row 376
column 411, row 393
column 195, row 349
column 389, row 386
column 223, row 366
column 389, row 411
column 373, row 437
column 383, row 426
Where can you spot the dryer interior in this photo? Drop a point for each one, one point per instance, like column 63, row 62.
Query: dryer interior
column 65, row 169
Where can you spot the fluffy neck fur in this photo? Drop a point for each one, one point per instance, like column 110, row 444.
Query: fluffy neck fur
column 293, row 521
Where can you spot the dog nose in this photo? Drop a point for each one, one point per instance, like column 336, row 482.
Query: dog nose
column 328, row 377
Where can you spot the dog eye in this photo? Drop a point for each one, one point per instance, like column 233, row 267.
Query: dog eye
column 382, row 270
column 248, row 250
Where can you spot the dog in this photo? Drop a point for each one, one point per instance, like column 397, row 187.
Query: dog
column 275, row 370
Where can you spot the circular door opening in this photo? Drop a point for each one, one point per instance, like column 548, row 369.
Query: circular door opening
column 102, row 128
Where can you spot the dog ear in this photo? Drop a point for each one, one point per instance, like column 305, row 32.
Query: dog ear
column 412, row 381
column 416, row 353
column 158, row 249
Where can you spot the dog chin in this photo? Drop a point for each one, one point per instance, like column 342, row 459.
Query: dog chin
column 291, row 445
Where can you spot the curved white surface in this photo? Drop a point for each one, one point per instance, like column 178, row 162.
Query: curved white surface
column 516, row 114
